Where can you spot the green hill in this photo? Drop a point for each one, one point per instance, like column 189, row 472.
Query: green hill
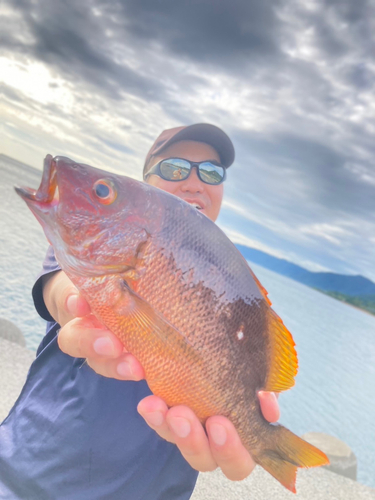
column 367, row 303
column 355, row 290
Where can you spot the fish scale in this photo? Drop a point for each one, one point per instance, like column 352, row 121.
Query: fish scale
column 178, row 294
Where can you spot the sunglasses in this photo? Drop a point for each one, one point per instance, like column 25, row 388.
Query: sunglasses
column 178, row 169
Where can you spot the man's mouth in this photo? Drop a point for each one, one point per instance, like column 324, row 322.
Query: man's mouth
column 195, row 205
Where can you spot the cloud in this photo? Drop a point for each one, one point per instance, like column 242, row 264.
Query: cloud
column 71, row 39
column 223, row 33
column 10, row 93
column 332, row 234
column 291, row 82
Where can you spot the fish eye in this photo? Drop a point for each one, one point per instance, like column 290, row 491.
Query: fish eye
column 105, row 191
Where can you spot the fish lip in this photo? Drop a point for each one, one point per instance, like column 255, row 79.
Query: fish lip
column 26, row 193
column 45, row 194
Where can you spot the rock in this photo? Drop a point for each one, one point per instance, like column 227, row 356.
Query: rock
column 14, row 365
column 343, row 460
column 11, row 332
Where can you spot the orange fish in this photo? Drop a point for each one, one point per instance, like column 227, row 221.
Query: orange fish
column 169, row 283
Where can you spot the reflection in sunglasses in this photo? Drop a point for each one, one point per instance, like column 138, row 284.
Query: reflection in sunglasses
column 176, row 169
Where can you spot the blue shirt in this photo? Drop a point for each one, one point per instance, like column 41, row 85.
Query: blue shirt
column 75, row 435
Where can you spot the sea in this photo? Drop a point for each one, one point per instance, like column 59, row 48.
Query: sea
column 335, row 386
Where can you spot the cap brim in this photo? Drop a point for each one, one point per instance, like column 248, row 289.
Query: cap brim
column 204, row 132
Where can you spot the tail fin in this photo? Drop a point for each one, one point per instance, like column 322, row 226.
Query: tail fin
column 286, row 453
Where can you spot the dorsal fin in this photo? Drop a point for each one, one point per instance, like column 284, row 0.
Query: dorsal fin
column 282, row 356
column 261, row 287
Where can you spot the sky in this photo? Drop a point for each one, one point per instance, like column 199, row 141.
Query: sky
column 291, row 82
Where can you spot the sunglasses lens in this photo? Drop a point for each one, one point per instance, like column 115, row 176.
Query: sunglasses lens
column 175, row 169
column 211, row 173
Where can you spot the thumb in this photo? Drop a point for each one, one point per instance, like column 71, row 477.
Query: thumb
column 269, row 405
column 76, row 305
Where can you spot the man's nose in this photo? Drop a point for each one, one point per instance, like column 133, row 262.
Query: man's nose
column 192, row 184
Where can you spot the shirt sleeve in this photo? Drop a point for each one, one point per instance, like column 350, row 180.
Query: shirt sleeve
column 50, row 266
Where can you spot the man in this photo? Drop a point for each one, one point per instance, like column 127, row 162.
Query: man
column 76, row 434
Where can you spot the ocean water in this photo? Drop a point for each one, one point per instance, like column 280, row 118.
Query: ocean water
column 335, row 386
column 22, row 249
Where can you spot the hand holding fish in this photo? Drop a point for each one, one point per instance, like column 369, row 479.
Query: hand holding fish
column 220, row 447
column 82, row 335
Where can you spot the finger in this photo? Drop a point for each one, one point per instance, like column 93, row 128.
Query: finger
column 125, row 367
column 269, row 405
column 82, row 338
column 227, row 449
column 57, row 287
column 76, row 305
column 190, row 437
column 154, row 411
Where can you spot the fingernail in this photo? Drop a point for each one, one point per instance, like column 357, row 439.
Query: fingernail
column 218, row 434
column 104, row 346
column 124, row 369
column 267, row 395
column 71, row 304
column 273, row 396
column 154, row 418
column 180, row 426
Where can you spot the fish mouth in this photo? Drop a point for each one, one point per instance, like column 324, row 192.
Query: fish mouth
column 47, row 192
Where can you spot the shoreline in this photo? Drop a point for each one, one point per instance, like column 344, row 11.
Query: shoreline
column 345, row 302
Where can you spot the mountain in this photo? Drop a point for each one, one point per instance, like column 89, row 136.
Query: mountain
column 333, row 283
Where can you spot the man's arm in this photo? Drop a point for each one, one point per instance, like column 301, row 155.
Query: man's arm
column 83, row 336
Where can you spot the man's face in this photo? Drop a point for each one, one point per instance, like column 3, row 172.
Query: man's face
column 192, row 189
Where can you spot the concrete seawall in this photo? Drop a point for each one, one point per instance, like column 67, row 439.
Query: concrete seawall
column 313, row 484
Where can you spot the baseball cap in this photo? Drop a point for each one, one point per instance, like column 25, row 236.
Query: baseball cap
column 202, row 132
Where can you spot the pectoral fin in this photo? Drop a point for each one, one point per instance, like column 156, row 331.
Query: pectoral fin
column 153, row 322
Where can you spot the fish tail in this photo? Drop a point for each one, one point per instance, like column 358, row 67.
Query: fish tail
column 284, row 453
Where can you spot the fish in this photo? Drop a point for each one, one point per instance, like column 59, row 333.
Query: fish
column 181, row 298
